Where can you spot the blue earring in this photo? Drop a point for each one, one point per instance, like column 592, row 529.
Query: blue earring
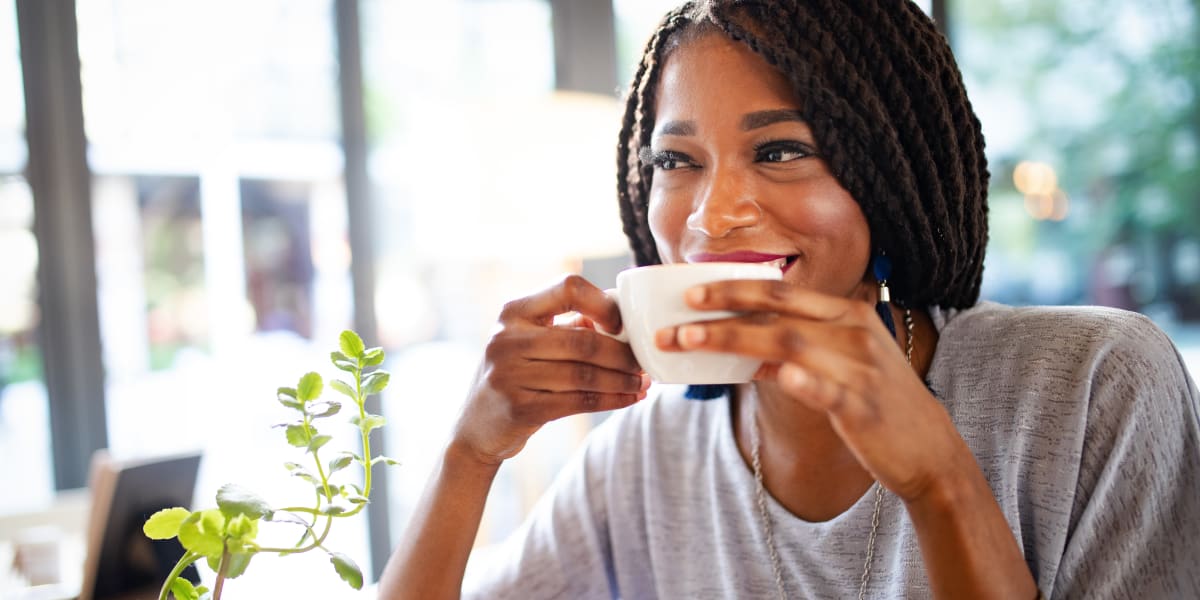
column 705, row 391
column 882, row 266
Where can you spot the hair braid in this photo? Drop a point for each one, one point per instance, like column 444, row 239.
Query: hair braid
column 879, row 87
column 928, row 135
column 964, row 131
column 633, row 178
column 898, row 223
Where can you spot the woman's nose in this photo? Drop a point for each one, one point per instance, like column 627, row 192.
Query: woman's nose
column 727, row 204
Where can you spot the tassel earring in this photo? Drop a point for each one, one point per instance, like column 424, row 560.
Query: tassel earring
column 705, row 392
column 882, row 265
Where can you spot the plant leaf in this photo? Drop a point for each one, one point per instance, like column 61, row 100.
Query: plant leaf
column 298, row 435
column 291, row 403
column 346, row 568
column 343, row 362
column 292, row 466
column 374, row 382
column 287, row 517
column 339, row 463
column 203, row 533
column 356, row 500
column 287, row 397
column 237, row 500
column 240, row 532
column 183, row 589
column 318, row 441
column 309, row 387
column 384, row 459
column 304, row 537
column 344, row 388
column 351, row 345
column 370, row 423
column 324, row 409
column 373, row 357
column 238, row 562
column 305, row 475
column 164, row 524
column 332, row 509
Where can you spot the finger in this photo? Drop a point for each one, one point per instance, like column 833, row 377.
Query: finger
column 765, row 295
column 849, row 390
column 842, row 400
column 574, row 319
column 560, row 376
column 573, row 293
column 776, row 339
column 575, row 344
column 545, row 406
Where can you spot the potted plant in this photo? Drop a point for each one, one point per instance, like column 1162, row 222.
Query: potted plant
column 226, row 536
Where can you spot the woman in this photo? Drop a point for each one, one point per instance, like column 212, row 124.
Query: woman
column 948, row 449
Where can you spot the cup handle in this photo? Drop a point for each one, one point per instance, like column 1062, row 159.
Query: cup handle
column 623, row 335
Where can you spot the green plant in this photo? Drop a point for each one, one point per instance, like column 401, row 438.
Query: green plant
column 226, row 536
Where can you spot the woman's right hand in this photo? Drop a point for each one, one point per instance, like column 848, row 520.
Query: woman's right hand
column 534, row 371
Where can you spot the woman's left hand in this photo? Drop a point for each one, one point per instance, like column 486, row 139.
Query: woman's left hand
column 834, row 355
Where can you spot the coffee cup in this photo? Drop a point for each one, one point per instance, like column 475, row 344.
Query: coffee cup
column 651, row 298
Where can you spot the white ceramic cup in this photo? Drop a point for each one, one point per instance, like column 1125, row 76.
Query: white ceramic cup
column 36, row 555
column 651, row 298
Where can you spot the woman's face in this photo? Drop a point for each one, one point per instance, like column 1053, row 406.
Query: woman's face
column 737, row 174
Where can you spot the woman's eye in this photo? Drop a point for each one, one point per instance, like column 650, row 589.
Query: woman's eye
column 666, row 160
column 779, row 153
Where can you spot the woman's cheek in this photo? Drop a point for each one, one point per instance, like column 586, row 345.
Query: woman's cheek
column 667, row 222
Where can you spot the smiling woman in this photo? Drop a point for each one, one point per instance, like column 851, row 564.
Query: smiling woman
column 740, row 171
column 975, row 451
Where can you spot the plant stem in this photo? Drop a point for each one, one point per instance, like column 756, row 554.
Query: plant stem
column 366, row 442
column 188, row 558
column 317, row 541
column 221, row 570
column 366, row 435
column 320, row 467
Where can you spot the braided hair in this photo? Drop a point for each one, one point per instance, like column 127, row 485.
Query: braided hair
column 887, row 106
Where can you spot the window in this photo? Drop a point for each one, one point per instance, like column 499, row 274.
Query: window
column 221, row 244
column 24, row 411
column 474, row 158
column 1092, row 141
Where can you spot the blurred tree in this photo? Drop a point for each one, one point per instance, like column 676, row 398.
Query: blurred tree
column 1108, row 93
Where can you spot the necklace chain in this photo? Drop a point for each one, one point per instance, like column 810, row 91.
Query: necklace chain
column 760, row 495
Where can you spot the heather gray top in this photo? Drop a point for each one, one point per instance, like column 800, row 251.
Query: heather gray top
column 1083, row 420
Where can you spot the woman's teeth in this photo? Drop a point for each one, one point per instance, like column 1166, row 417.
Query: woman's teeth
column 777, row 263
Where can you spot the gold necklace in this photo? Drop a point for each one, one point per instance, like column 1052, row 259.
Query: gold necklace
column 760, row 494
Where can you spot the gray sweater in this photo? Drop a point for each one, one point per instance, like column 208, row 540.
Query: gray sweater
column 1083, row 420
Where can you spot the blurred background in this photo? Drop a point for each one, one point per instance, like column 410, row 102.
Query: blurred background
column 213, row 191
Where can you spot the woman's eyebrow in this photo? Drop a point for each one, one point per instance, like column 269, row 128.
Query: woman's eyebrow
column 676, row 128
column 750, row 121
column 763, row 118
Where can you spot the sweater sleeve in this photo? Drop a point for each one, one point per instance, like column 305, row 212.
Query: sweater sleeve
column 562, row 550
column 1135, row 529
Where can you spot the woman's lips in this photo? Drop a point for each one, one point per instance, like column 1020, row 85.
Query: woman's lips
column 781, row 261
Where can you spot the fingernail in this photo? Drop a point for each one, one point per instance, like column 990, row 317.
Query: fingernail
column 641, row 395
column 645, row 382
column 696, row 295
column 692, row 335
column 664, row 337
column 794, row 376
